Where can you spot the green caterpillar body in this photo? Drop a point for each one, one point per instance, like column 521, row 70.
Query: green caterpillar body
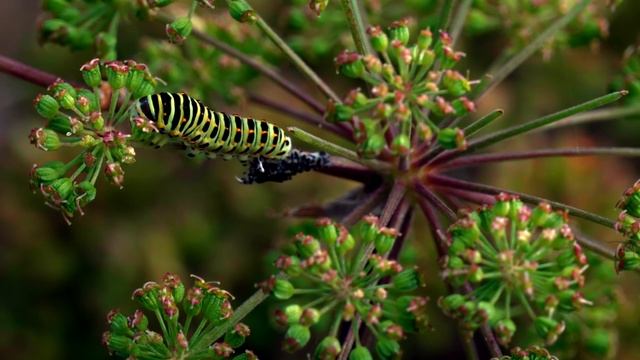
column 200, row 129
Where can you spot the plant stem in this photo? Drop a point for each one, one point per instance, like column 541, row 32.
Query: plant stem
column 435, row 227
column 256, row 64
column 445, row 14
column 530, row 125
column 365, row 207
column 297, row 61
column 435, row 200
column 530, row 49
column 595, row 115
column 312, row 119
column 357, row 26
column 477, row 125
column 25, row 72
column 335, row 149
column 459, row 19
column 596, row 246
column 473, row 160
column 486, row 189
column 347, row 169
column 474, row 197
column 239, row 314
column 396, row 195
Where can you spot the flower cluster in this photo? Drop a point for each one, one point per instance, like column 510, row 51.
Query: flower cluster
column 628, row 224
column 85, row 118
column 524, row 20
column 130, row 337
column 204, row 70
column 530, row 353
column 519, row 260
column 338, row 277
column 413, row 90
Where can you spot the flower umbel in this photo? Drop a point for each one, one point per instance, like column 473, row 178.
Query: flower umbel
column 86, row 119
column 335, row 276
column 176, row 308
column 520, row 260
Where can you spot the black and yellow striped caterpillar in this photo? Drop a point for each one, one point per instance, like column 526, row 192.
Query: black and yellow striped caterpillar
column 202, row 130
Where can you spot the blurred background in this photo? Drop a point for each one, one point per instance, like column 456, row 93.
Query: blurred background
column 57, row 282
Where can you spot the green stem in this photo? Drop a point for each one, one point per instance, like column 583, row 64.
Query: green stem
column 297, row 61
column 335, row 149
column 243, row 310
column 356, row 23
column 613, row 113
column 530, row 49
column 545, row 120
column 477, row 125
column 445, row 14
column 525, row 303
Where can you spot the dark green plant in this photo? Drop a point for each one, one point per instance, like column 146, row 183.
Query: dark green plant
column 401, row 134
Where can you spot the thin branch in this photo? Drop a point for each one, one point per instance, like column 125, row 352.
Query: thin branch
column 357, row 26
column 473, row 160
column 474, row 197
column 477, row 125
column 487, row 189
column 243, row 310
column 25, row 72
column 437, row 231
column 297, row 61
column 613, row 113
column 312, row 119
column 596, row 246
column 256, row 64
column 346, row 169
column 445, row 14
column 367, row 205
column 530, row 49
column 459, row 19
column 530, row 125
column 435, row 200
column 396, row 195
column 335, row 149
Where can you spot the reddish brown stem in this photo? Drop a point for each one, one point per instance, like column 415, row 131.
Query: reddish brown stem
column 474, row 197
column 395, row 197
column 343, row 168
column 473, row 160
column 365, row 207
column 435, row 200
column 25, row 72
column 312, row 119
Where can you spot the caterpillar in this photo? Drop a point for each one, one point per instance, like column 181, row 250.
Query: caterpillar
column 202, row 130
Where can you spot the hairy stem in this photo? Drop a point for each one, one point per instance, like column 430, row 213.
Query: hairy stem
column 526, row 52
column 297, row 61
column 473, row 160
column 312, row 119
column 487, row 189
column 357, row 26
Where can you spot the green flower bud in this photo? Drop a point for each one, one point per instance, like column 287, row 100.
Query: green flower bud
column 283, row 289
column 327, row 231
column 117, row 74
column 45, row 139
column 318, row 6
column 346, row 242
column 627, row 260
column 60, row 124
column 548, row 328
column 46, row 106
column 310, row 316
column 62, row 188
column 505, row 329
column 65, row 98
column 350, row 64
column 53, row 26
column 241, row 11
column 79, row 38
column 307, row 245
column 425, row 38
column 452, row 303
column 399, row 30
column 138, row 321
column 296, row 338
column 86, row 192
column 379, row 40
column 455, row 83
column 215, row 306
column 50, row 171
column 343, row 112
column 463, row 106
column 293, row 313
column 452, row 138
column 328, row 349
column 407, row 280
column 387, row 348
column 179, row 30
column 247, row 355
column 119, row 344
column 360, row 353
column 373, row 145
column 385, row 240
column 147, row 296
column 426, row 58
column 236, row 337
column 401, row 144
column 118, row 323
column 91, row 73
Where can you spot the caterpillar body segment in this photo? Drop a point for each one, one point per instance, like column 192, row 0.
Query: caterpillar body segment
column 202, row 130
